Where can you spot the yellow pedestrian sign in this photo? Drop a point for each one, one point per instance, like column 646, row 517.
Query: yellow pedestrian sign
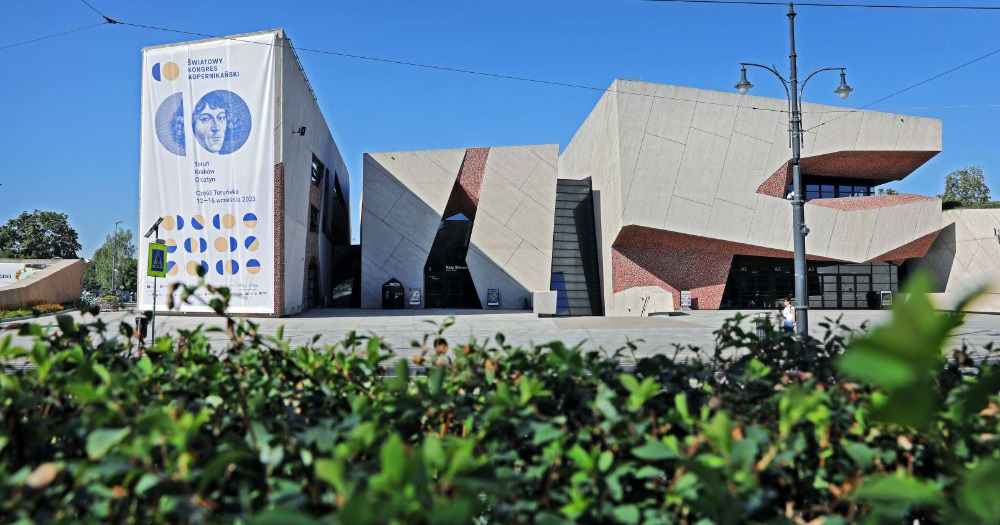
column 157, row 260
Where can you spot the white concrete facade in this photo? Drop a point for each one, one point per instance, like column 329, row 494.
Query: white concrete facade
column 295, row 108
column 965, row 258
column 510, row 246
column 692, row 162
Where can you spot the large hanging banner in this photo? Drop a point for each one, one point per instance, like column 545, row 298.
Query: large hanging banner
column 207, row 167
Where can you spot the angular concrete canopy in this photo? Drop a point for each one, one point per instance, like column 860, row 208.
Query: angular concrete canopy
column 712, row 165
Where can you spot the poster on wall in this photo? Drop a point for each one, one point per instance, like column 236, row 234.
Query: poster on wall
column 493, row 298
column 414, row 297
column 207, row 167
column 11, row 273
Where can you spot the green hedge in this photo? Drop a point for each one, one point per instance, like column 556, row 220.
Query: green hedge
column 262, row 431
column 956, row 205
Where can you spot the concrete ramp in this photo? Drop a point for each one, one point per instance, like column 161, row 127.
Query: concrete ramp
column 24, row 281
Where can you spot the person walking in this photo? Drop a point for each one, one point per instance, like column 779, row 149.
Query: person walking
column 788, row 315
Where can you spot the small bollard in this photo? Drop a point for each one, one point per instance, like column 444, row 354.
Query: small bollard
column 141, row 324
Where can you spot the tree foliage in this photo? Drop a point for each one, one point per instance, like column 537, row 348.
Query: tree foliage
column 966, row 186
column 262, row 431
column 39, row 235
column 99, row 269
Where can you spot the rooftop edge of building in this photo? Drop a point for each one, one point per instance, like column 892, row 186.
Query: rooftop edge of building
column 280, row 32
column 758, row 102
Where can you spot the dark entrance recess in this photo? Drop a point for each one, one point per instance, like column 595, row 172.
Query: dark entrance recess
column 312, row 287
column 393, row 295
column 762, row 282
column 346, row 291
column 575, row 274
column 447, row 281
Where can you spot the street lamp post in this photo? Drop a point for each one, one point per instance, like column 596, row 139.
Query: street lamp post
column 114, row 257
column 799, row 229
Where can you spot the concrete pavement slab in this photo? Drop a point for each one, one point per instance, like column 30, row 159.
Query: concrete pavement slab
column 651, row 335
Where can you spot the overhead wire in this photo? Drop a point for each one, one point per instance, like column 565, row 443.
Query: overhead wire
column 904, row 90
column 831, row 4
column 108, row 20
column 46, row 37
column 502, row 76
column 451, row 69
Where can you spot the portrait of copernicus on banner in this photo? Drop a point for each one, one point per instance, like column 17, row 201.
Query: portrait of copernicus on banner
column 221, row 122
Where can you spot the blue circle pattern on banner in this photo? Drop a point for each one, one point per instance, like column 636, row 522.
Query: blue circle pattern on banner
column 195, row 244
column 229, row 267
column 200, row 245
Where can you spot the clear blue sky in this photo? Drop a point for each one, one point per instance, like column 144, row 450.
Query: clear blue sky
column 70, row 104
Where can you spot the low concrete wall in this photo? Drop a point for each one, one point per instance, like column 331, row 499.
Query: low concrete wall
column 642, row 301
column 544, row 303
column 965, row 257
column 60, row 282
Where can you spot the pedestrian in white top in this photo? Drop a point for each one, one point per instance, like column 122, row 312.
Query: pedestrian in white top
column 788, row 315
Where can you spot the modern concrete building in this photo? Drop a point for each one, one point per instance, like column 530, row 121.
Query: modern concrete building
column 312, row 192
column 289, row 185
column 665, row 189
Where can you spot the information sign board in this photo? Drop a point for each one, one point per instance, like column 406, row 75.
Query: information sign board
column 685, row 298
column 493, row 298
column 157, row 266
column 886, row 298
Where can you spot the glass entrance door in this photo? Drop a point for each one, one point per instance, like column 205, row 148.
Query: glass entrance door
column 847, row 291
column 761, row 282
column 447, row 281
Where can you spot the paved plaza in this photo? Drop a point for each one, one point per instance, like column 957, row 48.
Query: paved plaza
column 652, row 335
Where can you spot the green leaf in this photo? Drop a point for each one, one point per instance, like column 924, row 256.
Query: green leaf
column 647, row 472
column 102, row 439
column 66, row 324
column 900, row 489
column 581, row 458
column 434, row 455
column 654, row 450
column 861, row 454
column 629, row 382
column 605, row 460
column 873, row 365
column 627, row 514
column 680, row 401
column 393, row 457
column 281, row 516
column 332, row 472
column 545, row 432
column 977, row 397
column 718, row 431
column 977, row 494
column 146, row 482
